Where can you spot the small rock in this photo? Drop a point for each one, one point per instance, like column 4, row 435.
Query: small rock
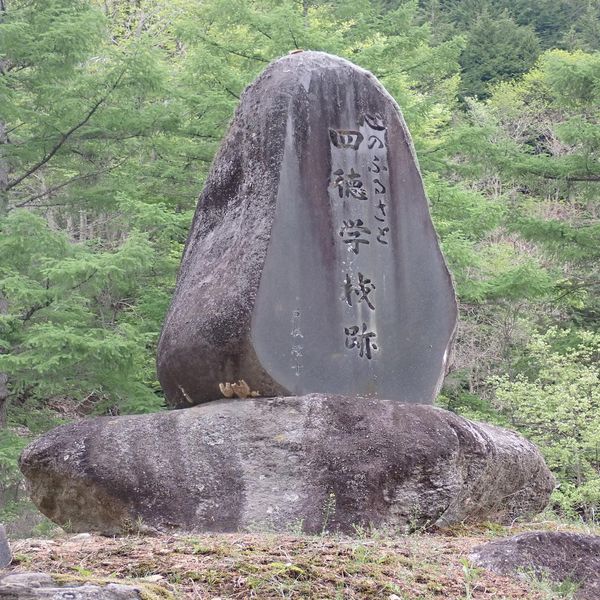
column 40, row 544
column 31, row 580
column 5, row 553
column 555, row 555
column 41, row 586
column 81, row 536
column 23, row 432
column 152, row 578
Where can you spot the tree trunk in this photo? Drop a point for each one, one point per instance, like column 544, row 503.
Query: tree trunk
column 3, row 211
column 3, row 302
column 3, row 136
column 3, row 171
column 3, row 376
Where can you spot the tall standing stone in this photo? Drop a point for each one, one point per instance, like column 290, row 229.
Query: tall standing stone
column 312, row 264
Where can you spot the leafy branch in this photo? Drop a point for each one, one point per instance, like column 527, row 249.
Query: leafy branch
column 65, row 136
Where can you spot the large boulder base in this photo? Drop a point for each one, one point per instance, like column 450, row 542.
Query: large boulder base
column 313, row 462
column 554, row 555
column 312, row 264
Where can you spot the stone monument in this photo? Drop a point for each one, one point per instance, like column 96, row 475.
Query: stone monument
column 312, row 281
column 312, row 264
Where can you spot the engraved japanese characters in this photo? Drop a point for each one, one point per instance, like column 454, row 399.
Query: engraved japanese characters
column 369, row 189
column 312, row 264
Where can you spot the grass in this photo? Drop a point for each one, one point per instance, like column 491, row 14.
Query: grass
column 551, row 590
column 370, row 565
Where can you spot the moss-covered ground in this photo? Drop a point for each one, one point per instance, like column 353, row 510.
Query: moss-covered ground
column 369, row 565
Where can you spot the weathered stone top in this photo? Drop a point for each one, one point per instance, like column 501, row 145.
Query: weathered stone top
column 312, row 264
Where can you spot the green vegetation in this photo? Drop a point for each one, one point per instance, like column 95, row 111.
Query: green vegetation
column 110, row 113
column 557, row 408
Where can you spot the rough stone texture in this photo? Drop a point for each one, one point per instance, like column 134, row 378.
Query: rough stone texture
column 34, row 586
column 5, row 553
column 558, row 556
column 276, row 463
column 269, row 289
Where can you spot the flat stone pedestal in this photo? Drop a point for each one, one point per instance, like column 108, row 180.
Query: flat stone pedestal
column 316, row 462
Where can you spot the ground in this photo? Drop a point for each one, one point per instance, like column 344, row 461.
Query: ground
column 375, row 565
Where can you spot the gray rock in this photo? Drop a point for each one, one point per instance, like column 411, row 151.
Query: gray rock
column 312, row 264
column 34, row 586
column 315, row 461
column 5, row 553
column 557, row 556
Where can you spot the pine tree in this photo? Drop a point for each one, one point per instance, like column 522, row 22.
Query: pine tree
column 83, row 117
column 497, row 50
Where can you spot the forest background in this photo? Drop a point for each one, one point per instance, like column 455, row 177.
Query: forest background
column 110, row 114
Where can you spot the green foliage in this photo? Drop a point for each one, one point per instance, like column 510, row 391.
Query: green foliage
column 539, row 138
column 92, row 219
column 11, row 445
column 54, row 35
column 584, row 31
column 557, row 406
column 227, row 46
column 530, row 151
column 550, row 19
column 465, row 220
column 498, row 49
column 110, row 114
column 504, row 37
column 71, row 329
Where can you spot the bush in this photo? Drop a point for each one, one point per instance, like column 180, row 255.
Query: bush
column 558, row 408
